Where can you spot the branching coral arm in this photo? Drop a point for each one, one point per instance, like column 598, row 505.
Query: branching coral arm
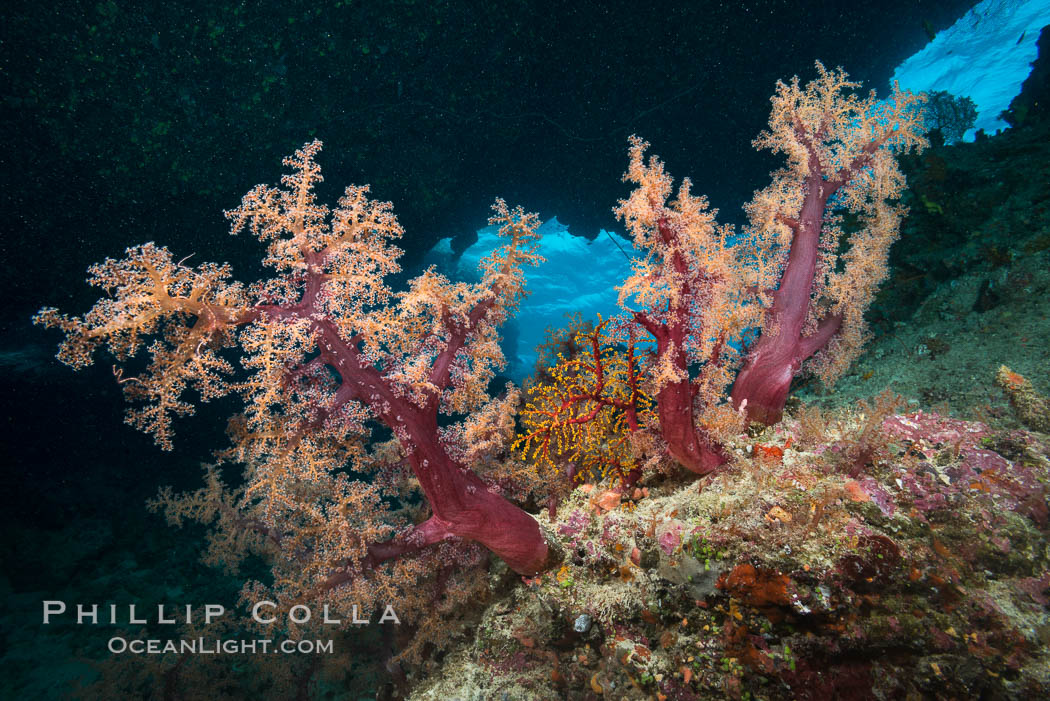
column 191, row 313
column 413, row 540
column 841, row 156
column 683, row 295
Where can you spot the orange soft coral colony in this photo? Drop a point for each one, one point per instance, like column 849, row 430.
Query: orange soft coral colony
column 687, row 295
column 841, row 152
column 326, row 347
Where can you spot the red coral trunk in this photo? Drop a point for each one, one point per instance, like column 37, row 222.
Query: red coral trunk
column 462, row 504
column 678, row 429
column 674, row 401
column 761, row 388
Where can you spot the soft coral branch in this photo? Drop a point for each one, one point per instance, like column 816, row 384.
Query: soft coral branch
column 328, row 349
column 841, row 152
column 685, row 295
